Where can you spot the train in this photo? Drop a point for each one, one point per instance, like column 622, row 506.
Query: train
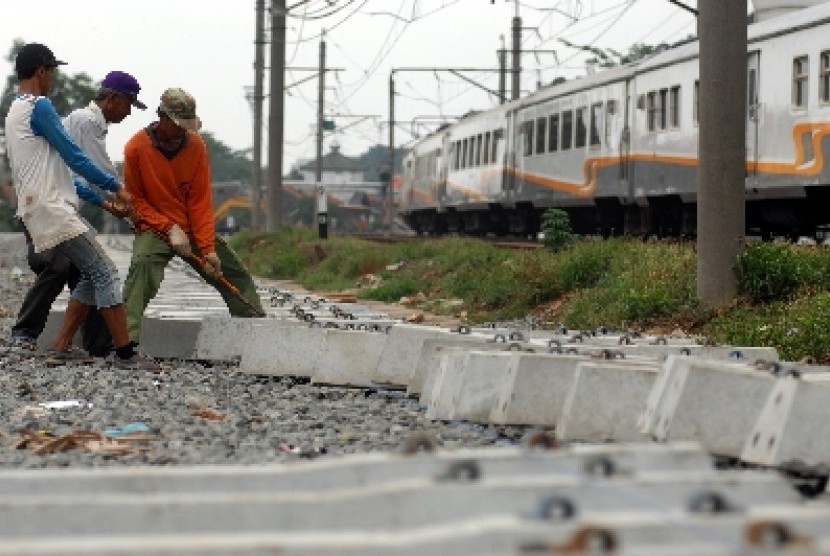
column 617, row 150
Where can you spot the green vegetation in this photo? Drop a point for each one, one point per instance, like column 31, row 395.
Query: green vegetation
column 623, row 284
column 556, row 227
column 8, row 222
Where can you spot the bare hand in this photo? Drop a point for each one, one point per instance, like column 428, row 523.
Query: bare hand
column 179, row 241
column 213, row 267
column 116, row 208
column 123, row 196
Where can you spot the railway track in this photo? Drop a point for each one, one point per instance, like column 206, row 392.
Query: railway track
column 506, row 243
column 642, row 445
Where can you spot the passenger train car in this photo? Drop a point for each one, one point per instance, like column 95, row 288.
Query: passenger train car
column 618, row 149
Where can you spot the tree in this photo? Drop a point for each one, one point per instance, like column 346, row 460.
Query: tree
column 68, row 91
column 556, row 225
column 376, row 160
column 71, row 91
column 225, row 163
column 609, row 58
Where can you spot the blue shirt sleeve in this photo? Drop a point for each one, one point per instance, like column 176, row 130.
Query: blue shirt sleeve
column 87, row 193
column 46, row 123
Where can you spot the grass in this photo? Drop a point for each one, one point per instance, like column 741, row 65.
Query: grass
column 622, row 284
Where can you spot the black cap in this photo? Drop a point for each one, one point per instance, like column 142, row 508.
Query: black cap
column 33, row 56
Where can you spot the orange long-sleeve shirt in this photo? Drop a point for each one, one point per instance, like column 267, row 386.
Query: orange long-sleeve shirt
column 171, row 191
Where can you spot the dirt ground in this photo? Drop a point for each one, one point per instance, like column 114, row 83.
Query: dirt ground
column 394, row 310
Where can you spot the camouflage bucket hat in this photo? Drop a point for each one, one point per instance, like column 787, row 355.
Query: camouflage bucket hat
column 181, row 107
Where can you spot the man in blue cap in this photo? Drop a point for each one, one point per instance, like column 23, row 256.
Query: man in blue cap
column 43, row 158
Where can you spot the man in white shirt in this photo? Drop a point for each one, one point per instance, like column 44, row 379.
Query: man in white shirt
column 88, row 127
column 41, row 153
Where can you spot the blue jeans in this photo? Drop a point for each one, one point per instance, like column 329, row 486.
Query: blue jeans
column 99, row 284
column 54, row 271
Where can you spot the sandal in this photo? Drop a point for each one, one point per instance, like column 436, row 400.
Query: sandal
column 24, row 342
column 69, row 355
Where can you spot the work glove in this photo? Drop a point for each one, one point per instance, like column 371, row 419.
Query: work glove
column 213, row 267
column 179, row 241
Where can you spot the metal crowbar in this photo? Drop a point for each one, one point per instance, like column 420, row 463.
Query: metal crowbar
column 200, row 261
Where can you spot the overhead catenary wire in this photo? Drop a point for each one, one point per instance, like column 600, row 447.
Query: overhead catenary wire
column 444, row 92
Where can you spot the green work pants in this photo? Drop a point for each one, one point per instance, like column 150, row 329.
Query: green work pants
column 150, row 257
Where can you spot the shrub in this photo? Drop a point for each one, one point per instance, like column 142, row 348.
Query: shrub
column 796, row 328
column 286, row 265
column 392, row 289
column 584, row 267
column 768, row 271
column 556, row 226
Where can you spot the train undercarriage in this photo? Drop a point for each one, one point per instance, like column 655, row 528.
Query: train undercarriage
column 663, row 217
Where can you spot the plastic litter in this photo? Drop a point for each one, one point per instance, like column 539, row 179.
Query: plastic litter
column 64, row 404
column 130, row 428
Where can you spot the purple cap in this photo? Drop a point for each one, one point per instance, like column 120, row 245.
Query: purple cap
column 125, row 84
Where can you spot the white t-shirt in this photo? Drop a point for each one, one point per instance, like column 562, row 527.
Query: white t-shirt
column 41, row 154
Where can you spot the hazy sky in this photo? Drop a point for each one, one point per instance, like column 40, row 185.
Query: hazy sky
column 207, row 47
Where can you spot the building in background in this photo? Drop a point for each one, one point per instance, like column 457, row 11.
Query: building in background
column 340, row 174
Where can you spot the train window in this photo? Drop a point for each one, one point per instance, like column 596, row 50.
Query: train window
column 541, row 132
column 527, row 134
column 553, row 133
column 651, row 108
column 485, row 155
column 696, row 102
column 596, row 122
column 824, row 77
column 471, row 153
column 674, row 107
column 478, row 150
column 610, row 110
column 581, row 127
column 498, row 135
column 663, row 108
column 567, row 129
column 800, row 74
column 464, row 153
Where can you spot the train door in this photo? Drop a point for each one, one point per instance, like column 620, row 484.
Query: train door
column 626, row 181
column 443, row 155
column 753, row 111
column 508, row 158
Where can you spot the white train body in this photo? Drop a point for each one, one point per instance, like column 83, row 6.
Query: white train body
column 618, row 149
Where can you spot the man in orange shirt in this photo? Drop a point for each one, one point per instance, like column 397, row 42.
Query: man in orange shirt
column 167, row 172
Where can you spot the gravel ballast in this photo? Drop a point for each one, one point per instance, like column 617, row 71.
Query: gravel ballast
column 194, row 412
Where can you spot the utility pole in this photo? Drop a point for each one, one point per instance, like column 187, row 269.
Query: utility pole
column 259, row 68
column 721, row 193
column 389, row 189
column 516, row 68
column 502, row 71
column 322, row 216
column 275, row 115
column 321, row 88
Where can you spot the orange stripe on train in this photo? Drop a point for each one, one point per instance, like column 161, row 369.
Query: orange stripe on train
column 591, row 166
